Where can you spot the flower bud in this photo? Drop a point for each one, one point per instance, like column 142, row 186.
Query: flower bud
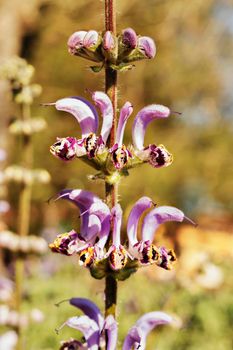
column 147, row 46
column 91, row 39
column 108, row 41
column 129, row 38
column 75, row 42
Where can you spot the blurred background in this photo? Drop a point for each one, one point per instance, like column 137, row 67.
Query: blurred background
column 191, row 73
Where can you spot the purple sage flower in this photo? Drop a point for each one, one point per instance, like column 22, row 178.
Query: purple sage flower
column 94, row 326
column 94, row 229
column 157, row 156
column 144, row 250
column 85, row 113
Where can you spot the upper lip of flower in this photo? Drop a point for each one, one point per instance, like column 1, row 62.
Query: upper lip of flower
column 94, row 213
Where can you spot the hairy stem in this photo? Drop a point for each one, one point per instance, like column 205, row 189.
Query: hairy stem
column 23, row 220
column 111, row 190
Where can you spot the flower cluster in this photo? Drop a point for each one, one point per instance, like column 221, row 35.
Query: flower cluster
column 96, row 220
column 94, row 328
column 115, row 51
column 92, row 147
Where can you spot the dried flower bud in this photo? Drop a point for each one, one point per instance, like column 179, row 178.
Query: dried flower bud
column 156, row 156
column 147, row 46
column 64, row 148
column 118, row 258
column 167, row 258
column 120, row 156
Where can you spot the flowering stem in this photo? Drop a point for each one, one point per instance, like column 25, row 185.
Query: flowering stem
column 23, row 219
column 111, row 190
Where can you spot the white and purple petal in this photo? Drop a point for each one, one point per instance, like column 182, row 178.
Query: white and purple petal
column 138, row 209
column 82, row 110
column 88, row 327
column 89, row 308
column 111, row 329
column 157, row 217
column 103, row 102
column 125, row 113
column 136, row 337
column 143, row 118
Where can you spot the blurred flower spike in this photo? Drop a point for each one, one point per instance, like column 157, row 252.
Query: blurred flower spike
column 19, row 74
column 94, row 328
column 96, row 220
column 92, row 147
column 114, row 51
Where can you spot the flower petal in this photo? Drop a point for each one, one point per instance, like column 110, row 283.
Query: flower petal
column 82, row 110
column 137, row 334
column 103, row 102
column 117, row 220
column 125, row 113
column 158, row 216
column 89, row 308
column 88, row 327
column 112, row 331
column 143, row 118
column 139, row 207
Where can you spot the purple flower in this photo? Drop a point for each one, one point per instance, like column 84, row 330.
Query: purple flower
column 94, row 326
column 157, row 156
column 144, row 250
column 94, row 229
column 85, row 113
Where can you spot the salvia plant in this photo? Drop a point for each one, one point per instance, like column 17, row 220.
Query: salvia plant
column 19, row 74
column 98, row 244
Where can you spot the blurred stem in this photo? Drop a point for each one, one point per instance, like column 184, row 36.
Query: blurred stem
column 23, row 217
column 111, row 190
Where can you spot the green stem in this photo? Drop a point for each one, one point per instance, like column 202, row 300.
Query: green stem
column 111, row 191
column 23, row 220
